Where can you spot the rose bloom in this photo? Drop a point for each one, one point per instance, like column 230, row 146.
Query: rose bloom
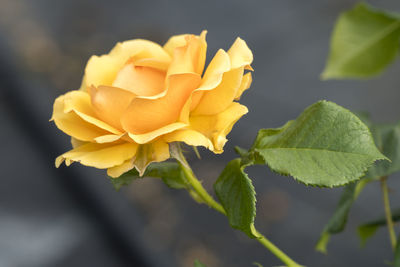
column 141, row 96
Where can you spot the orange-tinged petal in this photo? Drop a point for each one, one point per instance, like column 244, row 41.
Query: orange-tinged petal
column 142, row 81
column 80, row 103
column 212, row 76
column 100, row 156
column 218, row 99
column 109, row 104
column 216, row 127
column 190, row 137
column 102, row 70
column 246, row 82
column 69, row 117
column 217, row 67
column 191, row 57
column 146, row 115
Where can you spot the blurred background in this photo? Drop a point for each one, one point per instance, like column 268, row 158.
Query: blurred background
column 73, row 217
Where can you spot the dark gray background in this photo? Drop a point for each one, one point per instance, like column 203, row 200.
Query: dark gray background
column 72, row 216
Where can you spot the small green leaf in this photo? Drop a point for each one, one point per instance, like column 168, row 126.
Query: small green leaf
column 365, row 41
column 236, row 194
column 396, row 262
column 197, row 263
column 325, row 146
column 367, row 230
column 338, row 221
column 170, row 172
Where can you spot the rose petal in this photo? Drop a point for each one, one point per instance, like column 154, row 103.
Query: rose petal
column 109, row 138
column 142, row 81
column 104, row 69
column 216, row 127
column 190, row 137
column 240, row 54
column 80, row 103
column 218, row 99
column 117, row 171
column 148, row 153
column 150, row 136
column 69, row 117
column 100, row 156
column 109, row 103
column 191, row 57
column 246, row 82
column 147, row 115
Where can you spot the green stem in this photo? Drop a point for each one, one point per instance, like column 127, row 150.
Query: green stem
column 388, row 212
column 209, row 200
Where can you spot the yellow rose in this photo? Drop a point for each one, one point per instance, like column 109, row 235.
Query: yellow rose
column 141, row 96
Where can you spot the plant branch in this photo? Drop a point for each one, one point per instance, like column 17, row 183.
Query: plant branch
column 388, row 212
column 209, row 200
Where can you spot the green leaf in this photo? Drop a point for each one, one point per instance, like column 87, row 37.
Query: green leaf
column 325, row 146
column 197, row 263
column 367, row 230
column 236, row 194
column 396, row 262
column 364, row 41
column 338, row 221
column 387, row 138
column 170, row 172
column 125, row 179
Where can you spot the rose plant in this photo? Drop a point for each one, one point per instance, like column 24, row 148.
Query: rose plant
column 139, row 103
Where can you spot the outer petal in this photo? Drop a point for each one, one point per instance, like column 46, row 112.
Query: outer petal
column 150, row 136
column 101, row 156
column 117, row 171
column 216, row 127
column 174, row 42
column 219, row 98
column 217, row 67
column 109, row 103
column 69, row 116
column 79, row 102
column 212, row 77
column 240, row 54
column 148, row 153
column 190, row 137
column 147, row 115
column 246, row 82
column 103, row 70
column 189, row 58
